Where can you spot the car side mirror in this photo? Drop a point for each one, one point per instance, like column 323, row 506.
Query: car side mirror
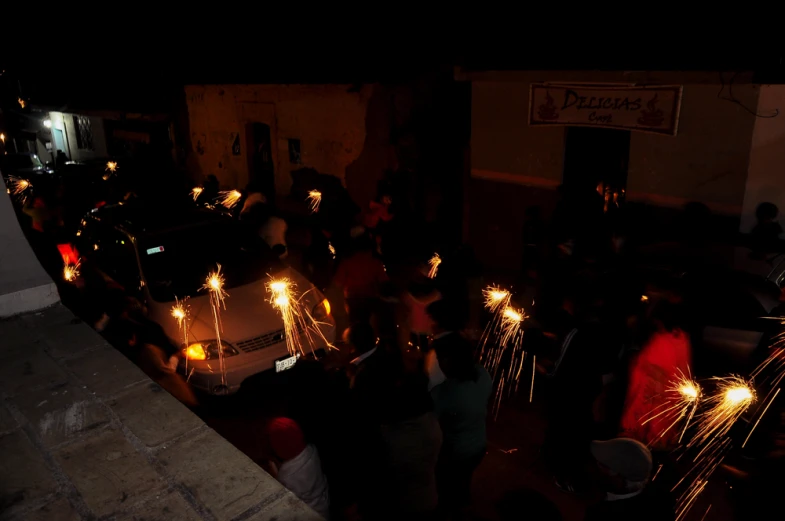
column 279, row 249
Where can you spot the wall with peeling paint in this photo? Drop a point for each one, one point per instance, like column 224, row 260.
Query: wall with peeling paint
column 329, row 121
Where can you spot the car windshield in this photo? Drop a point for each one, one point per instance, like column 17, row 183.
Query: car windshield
column 176, row 263
column 16, row 161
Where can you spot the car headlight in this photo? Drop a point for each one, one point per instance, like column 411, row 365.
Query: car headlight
column 321, row 310
column 207, row 350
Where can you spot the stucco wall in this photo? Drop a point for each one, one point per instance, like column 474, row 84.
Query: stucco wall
column 765, row 180
column 707, row 161
column 328, row 120
column 514, row 165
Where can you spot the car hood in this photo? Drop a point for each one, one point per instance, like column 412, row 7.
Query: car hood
column 248, row 313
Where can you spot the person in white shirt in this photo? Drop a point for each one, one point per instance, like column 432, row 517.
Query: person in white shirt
column 271, row 228
column 298, row 465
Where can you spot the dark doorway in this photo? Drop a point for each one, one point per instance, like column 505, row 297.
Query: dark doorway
column 596, row 155
column 261, row 173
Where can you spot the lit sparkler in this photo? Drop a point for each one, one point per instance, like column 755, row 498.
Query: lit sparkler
column 111, row 166
column 71, row 271
column 434, row 264
column 502, row 341
column 331, row 248
column 314, row 200
column 681, row 401
column 215, row 285
column 297, row 320
column 230, row 198
column 196, row 191
column 181, row 311
column 733, row 397
column 20, row 188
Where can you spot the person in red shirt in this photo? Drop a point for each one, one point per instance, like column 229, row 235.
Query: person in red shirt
column 361, row 276
column 665, row 357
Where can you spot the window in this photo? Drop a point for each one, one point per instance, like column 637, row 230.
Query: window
column 84, row 133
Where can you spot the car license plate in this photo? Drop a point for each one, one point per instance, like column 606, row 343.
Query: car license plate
column 286, row 363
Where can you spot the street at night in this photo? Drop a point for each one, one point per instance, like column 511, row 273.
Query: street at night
column 470, row 289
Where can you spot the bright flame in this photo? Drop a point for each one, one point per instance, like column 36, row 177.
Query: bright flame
column 21, row 102
column 196, row 191
column 680, row 401
column 644, row 298
column 434, row 264
column 71, row 271
column 111, row 166
column 229, row 199
column 2, row 137
column 331, row 248
column 314, row 199
column 181, row 311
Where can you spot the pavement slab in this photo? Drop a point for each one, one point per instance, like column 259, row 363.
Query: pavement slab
column 60, row 413
column 108, row 472
column 208, row 467
column 153, row 415
column 106, row 372
column 24, row 476
column 58, row 510
column 167, row 507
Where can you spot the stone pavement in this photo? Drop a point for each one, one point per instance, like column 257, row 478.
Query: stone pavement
column 85, row 435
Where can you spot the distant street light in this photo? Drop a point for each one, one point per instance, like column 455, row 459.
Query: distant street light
column 48, row 123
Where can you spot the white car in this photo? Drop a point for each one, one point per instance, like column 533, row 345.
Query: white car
column 158, row 256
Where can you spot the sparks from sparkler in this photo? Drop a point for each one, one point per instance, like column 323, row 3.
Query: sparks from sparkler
column 331, row 248
column 297, row 320
column 19, row 188
column 215, row 286
column 111, row 166
column 434, row 265
column 229, row 198
column 733, row 397
column 314, row 200
column 496, row 298
column 196, row 191
column 681, row 401
column 71, row 270
column 181, row 311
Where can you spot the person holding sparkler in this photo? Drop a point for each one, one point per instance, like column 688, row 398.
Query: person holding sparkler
column 665, row 357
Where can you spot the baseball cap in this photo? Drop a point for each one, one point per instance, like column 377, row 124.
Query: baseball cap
column 626, row 457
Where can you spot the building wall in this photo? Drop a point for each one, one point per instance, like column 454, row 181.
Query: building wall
column 514, row 166
column 99, row 137
column 765, row 180
column 329, row 121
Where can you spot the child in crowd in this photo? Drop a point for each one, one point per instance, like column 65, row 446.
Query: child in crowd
column 297, row 465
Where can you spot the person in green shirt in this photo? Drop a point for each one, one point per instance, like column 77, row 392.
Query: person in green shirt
column 461, row 405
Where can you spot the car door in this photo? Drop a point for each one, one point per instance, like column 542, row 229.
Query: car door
column 116, row 257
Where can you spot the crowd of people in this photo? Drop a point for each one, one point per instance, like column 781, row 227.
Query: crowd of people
column 397, row 427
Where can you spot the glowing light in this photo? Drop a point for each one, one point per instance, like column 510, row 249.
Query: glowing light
column 71, row 271
column 734, row 395
column 680, row 401
column 181, row 312
column 434, row 264
column 196, row 191
column 229, row 199
column 644, row 298
column 331, row 248
column 2, row 137
column 19, row 188
column 48, row 123
column 215, row 285
column 496, row 298
column 314, row 199
column 195, row 352
column 111, row 166
column 298, row 322
column 21, row 102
